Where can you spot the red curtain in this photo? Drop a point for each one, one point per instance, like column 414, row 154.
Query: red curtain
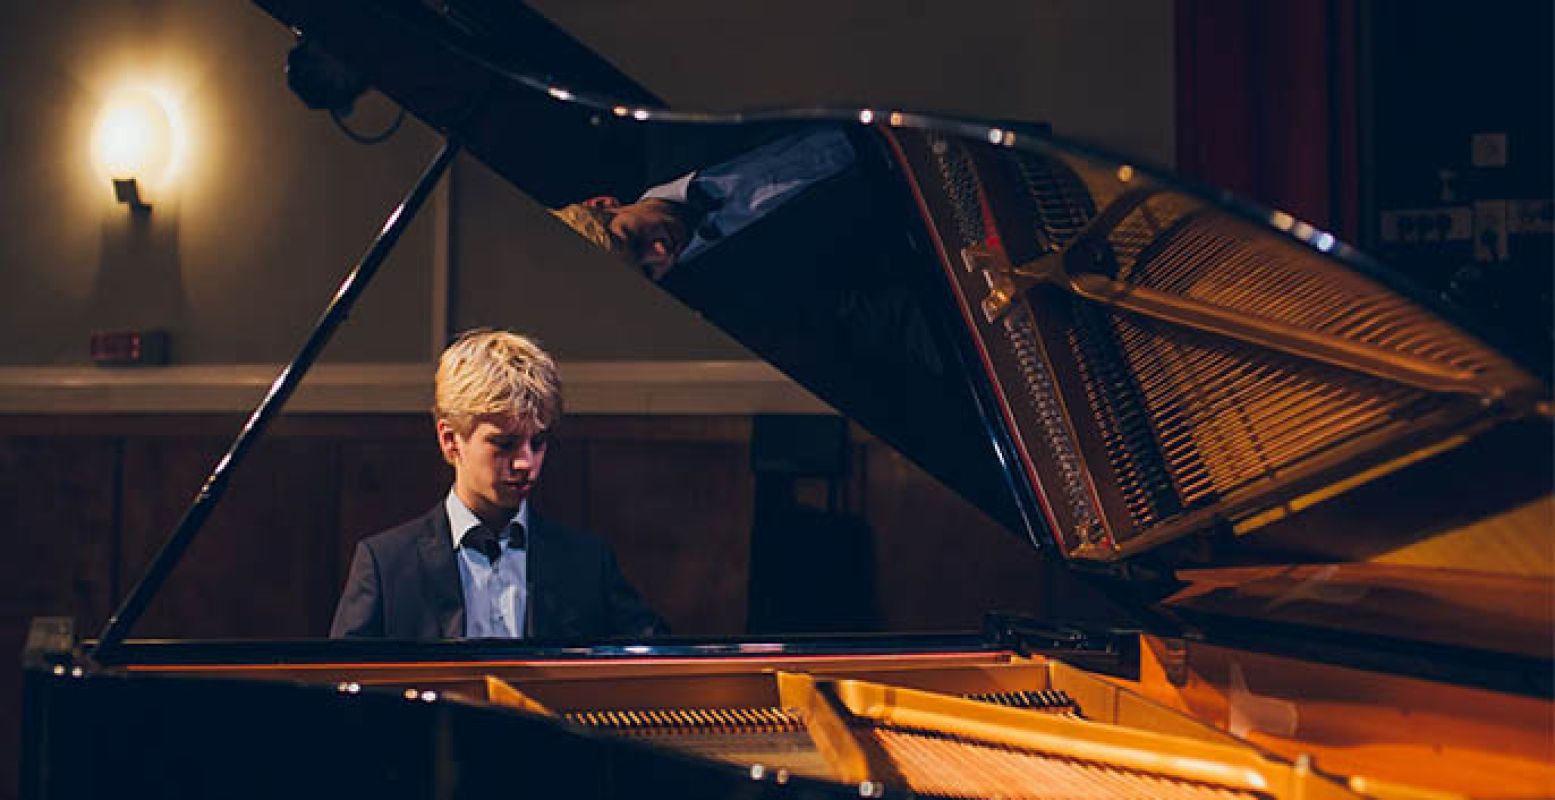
column 1266, row 96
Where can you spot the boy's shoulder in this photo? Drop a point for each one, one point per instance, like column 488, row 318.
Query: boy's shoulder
column 407, row 532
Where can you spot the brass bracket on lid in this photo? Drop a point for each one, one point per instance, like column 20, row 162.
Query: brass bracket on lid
column 998, row 274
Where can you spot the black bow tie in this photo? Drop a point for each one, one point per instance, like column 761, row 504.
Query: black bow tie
column 483, row 541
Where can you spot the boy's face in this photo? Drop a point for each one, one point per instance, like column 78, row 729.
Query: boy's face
column 652, row 232
column 496, row 466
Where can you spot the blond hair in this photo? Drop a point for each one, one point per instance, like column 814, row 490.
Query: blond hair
column 489, row 373
column 592, row 224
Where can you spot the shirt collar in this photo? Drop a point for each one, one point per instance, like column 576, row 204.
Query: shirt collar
column 461, row 519
column 674, row 191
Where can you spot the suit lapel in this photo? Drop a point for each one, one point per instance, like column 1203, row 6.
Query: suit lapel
column 440, row 575
column 553, row 598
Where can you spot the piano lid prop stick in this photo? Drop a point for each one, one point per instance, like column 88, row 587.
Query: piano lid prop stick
column 215, row 485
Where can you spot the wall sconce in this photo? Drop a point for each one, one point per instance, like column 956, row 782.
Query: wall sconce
column 135, row 143
column 127, row 191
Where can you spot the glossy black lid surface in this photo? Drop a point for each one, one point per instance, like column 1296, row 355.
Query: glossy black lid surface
column 1096, row 354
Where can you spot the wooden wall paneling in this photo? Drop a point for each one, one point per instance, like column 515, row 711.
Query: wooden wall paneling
column 679, row 516
column 262, row 565
column 675, row 494
column 57, row 517
column 60, row 498
column 941, row 563
column 384, row 481
column 563, row 491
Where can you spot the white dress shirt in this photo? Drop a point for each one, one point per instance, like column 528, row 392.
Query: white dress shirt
column 496, row 596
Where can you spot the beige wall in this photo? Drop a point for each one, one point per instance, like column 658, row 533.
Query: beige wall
column 240, row 258
column 1099, row 71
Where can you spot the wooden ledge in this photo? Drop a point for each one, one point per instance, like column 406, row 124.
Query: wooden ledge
column 592, row 387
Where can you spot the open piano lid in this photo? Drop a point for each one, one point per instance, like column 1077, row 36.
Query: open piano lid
column 1149, row 375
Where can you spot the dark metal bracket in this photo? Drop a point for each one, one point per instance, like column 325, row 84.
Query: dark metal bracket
column 1111, row 652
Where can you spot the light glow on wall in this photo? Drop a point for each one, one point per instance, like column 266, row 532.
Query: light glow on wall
column 139, row 133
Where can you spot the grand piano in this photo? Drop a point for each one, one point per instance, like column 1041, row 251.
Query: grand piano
column 1323, row 495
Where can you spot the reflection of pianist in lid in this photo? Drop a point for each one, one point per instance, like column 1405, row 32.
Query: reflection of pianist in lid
column 677, row 221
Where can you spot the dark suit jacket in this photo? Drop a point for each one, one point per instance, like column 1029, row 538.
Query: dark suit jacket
column 404, row 584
